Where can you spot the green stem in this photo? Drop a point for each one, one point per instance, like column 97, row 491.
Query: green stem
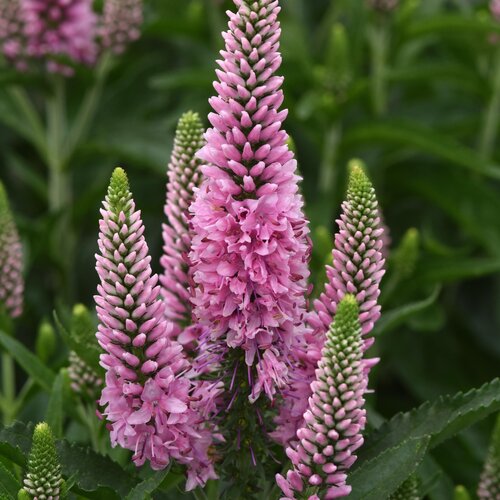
column 490, row 123
column 9, row 387
column 28, row 112
column 199, row 494
column 89, row 107
column 378, row 37
column 23, row 394
column 328, row 170
column 60, row 188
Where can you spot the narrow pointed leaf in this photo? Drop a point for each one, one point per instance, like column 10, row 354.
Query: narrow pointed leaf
column 395, row 317
column 54, row 416
column 437, row 420
column 28, row 361
column 9, row 485
column 381, row 476
column 142, row 490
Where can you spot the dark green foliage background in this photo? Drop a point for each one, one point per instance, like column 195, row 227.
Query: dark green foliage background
column 422, row 156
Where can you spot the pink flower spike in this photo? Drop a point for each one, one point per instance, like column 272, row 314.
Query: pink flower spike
column 357, row 269
column 12, row 39
column 152, row 408
column 183, row 177
column 333, row 423
column 121, row 24
column 250, row 247
column 60, row 32
column 11, row 261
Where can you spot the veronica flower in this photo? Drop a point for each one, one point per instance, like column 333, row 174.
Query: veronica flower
column 489, row 485
column 183, row 176
column 152, row 408
column 383, row 5
column 358, row 267
column 11, row 261
column 12, row 40
column 250, row 246
column 120, row 24
column 43, row 478
column 60, row 31
column 335, row 418
column 84, row 380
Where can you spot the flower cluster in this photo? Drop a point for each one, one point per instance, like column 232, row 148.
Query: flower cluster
column 183, row 177
column 358, row 267
column 43, row 478
column 153, row 409
column 12, row 39
column 383, row 5
column 58, row 31
column 235, row 271
column 65, row 33
column 83, row 379
column 335, row 417
column 250, row 247
column 121, row 24
column 11, row 261
column 495, row 9
column 489, row 485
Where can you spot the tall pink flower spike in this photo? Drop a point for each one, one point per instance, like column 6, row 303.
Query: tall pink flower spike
column 120, row 24
column 11, row 261
column 250, row 247
column 184, row 176
column 152, row 408
column 335, row 417
column 358, row 268
column 60, row 29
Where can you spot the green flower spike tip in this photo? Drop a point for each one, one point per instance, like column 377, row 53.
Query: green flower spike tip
column 43, row 480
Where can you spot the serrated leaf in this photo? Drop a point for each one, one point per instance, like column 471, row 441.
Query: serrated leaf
column 146, row 487
column 15, row 442
column 437, row 420
column 28, row 361
column 422, row 139
column 54, row 415
column 9, row 485
column 395, row 317
column 90, row 470
column 381, row 476
column 93, row 471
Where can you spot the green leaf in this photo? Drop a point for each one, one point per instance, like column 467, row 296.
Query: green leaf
column 395, row 317
column 90, row 470
column 148, row 486
column 93, row 471
column 453, row 73
column 437, row 420
column 381, row 476
column 15, row 442
column 9, row 485
column 422, row 139
column 439, row 270
column 78, row 339
column 54, row 415
column 28, row 361
column 452, row 25
column 186, row 78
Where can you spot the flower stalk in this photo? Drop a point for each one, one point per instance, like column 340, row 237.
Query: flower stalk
column 324, row 448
